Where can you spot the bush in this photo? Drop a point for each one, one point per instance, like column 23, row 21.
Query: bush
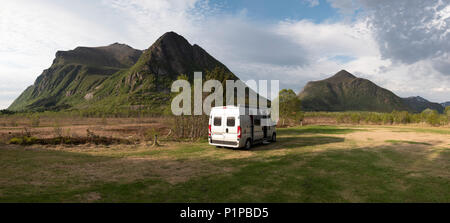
column 355, row 118
column 16, row 141
column 340, row 118
column 29, row 140
column 150, row 133
column 388, row 119
column 25, row 140
column 433, row 118
column 401, row 117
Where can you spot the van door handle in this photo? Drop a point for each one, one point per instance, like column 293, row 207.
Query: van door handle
column 226, row 130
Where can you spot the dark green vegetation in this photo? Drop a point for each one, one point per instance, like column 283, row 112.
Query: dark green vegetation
column 97, row 140
column 419, row 104
column 408, row 142
column 289, row 107
column 314, row 164
column 321, row 129
column 117, row 77
column 430, row 117
column 345, row 92
column 424, row 130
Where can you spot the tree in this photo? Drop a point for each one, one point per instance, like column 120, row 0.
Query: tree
column 430, row 116
column 447, row 114
column 289, row 105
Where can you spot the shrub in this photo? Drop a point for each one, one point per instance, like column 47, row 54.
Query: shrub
column 340, row 118
column 355, row 118
column 16, row 140
column 25, row 140
column 29, row 140
column 150, row 134
column 433, row 118
column 387, row 118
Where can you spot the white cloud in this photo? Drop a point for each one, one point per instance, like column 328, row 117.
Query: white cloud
column 150, row 19
column 408, row 31
column 31, row 33
column 312, row 3
column 414, row 36
column 236, row 39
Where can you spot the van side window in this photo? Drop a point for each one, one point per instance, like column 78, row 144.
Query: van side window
column 231, row 121
column 217, row 121
column 257, row 120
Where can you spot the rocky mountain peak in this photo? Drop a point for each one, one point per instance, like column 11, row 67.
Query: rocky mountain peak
column 343, row 75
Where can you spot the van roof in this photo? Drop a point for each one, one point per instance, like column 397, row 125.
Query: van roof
column 242, row 109
column 240, row 106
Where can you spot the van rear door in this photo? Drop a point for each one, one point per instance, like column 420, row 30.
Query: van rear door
column 217, row 126
column 231, row 123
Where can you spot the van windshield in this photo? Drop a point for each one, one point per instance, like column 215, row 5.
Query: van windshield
column 231, row 121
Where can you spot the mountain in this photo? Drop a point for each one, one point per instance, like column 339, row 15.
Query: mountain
column 418, row 104
column 445, row 104
column 117, row 76
column 345, row 92
column 73, row 74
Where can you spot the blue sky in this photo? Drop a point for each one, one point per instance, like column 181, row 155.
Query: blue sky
column 270, row 11
column 401, row 45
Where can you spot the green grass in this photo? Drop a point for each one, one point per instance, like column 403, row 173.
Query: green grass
column 424, row 130
column 303, row 166
column 320, row 129
column 407, row 142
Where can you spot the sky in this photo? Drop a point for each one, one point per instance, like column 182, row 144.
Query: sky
column 401, row 45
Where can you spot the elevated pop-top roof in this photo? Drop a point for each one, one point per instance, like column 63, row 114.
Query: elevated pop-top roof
column 243, row 108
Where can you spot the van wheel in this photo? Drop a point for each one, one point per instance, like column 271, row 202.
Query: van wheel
column 274, row 137
column 248, row 144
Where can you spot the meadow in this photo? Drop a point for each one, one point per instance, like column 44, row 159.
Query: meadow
column 313, row 163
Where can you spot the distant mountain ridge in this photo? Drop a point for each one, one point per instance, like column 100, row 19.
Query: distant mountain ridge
column 419, row 104
column 114, row 55
column 346, row 92
column 445, row 104
column 117, row 76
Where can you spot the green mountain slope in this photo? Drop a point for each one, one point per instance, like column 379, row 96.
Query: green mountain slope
column 118, row 76
column 147, row 83
column 345, row 92
column 73, row 74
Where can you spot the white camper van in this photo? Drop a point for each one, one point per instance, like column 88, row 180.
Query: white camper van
column 240, row 126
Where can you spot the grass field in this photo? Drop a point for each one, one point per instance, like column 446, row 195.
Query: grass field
column 307, row 164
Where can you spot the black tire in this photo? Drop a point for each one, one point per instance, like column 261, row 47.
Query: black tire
column 274, row 137
column 248, row 144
